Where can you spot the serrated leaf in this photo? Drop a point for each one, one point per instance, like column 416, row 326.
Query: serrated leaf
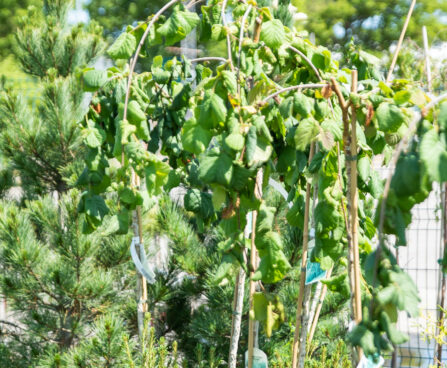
column 389, row 117
column 434, row 155
column 134, row 113
column 126, row 130
column 330, row 125
column 94, row 80
column 258, row 149
column 302, row 104
column 199, row 202
column 230, row 82
column 123, row 47
column 305, row 133
column 178, row 25
column 273, row 33
column 235, row 141
column 216, row 168
column 212, row 111
column 195, row 139
column 96, row 208
column 156, row 174
column 93, row 137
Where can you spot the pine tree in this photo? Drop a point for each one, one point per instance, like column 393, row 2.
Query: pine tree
column 42, row 144
column 56, row 280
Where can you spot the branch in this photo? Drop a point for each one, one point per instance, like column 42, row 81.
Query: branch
column 307, row 61
column 292, row 88
column 138, row 50
column 209, row 58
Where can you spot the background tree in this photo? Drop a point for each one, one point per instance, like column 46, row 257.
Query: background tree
column 373, row 24
column 10, row 13
column 41, row 143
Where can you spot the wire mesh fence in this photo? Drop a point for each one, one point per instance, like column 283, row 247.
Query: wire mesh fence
column 420, row 259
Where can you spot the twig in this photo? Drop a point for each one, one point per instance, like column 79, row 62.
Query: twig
column 138, row 50
column 292, row 88
column 241, row 38
column 208, row 58
column 307, row 61
column 296, row 339
column 399, row 43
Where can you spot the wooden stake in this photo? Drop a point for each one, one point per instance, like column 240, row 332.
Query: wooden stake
column 354, row 205
column 296, row 339
column 399, row 43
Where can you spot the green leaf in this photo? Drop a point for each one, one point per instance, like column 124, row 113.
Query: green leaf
column 406, row 180
column 395, row 336
column 390, row 117
column 134, row 113
column 126, row 130
column 442, row 118
column 212, row 111
column 178, row 25
column 199, row 202
column 302, row 104
column 364, row 168
column 95, row 208
column 258, row 149
column 123, row 47
column 230, row 82
column 273, row 33
column 331, row 126
column 363, row 337
column 274, row 264
column 156, row 175
column 235, row 141
column 219, row 197
column 434, row 155
column 93, row 137
column 94, row 80
column 216, row 168
column 195, row 139
column 402, row 97
column 305, row 133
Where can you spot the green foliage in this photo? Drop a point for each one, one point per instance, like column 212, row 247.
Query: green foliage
column 213, row 133
column 56, row 280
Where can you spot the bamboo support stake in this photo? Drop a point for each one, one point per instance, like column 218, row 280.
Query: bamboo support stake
column 296, row 339
column 354, row 206
column 399, row 43
column 427, row 57
column 253, row 265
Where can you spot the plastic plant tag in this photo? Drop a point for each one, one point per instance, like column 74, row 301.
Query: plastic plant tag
column 314, row 273
column 259, row 359
column 142, row 267
column 368, row 362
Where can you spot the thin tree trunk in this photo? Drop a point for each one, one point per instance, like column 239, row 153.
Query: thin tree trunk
column 253, row 265
column 296, row 338
column 318, row 309
column 353, row 198
column 237, row 318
